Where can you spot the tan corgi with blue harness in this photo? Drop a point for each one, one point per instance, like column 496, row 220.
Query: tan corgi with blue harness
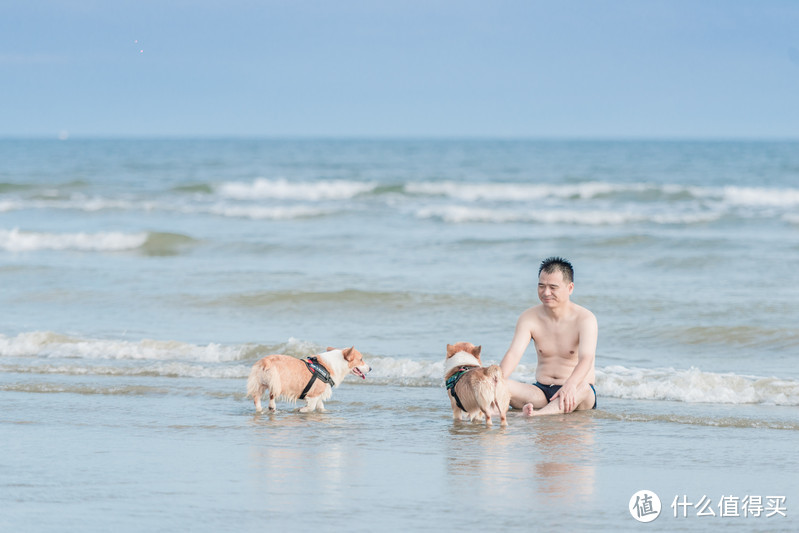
column 474, row 390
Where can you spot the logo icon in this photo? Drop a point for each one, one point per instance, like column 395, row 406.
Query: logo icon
column 645, row 506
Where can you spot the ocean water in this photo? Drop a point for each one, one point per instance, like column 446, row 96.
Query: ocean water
column 140, row 279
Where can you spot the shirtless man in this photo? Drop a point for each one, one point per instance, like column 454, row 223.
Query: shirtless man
column 565, row 337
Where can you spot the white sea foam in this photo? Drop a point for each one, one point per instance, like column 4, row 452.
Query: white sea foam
column 693, row 386
column 282, row 189
column 44, row 344
column 257, row 212
column 51, row 353
column 8, row 205
column 171, row 369
column 514, row 191
column 15, row 240
column 725, row 197
column 589, row 203
column 758, row 196
column 463, row 214
column 99, row 203
column 91, row 204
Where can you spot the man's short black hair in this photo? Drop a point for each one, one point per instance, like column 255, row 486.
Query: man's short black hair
column 553, row 264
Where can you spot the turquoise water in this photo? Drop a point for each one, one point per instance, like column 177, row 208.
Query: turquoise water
column 139, row 280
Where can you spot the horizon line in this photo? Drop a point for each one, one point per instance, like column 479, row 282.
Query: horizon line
column 65, row 136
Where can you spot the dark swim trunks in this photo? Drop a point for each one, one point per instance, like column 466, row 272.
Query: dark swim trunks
column 550, row 390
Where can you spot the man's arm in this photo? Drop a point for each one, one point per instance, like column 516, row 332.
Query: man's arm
column 521, row 340
column 586, row 353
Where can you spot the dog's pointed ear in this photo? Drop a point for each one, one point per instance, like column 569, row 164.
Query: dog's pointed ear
column 330, row 348
column 476, row 351
column 348, row 353
column 450, row 350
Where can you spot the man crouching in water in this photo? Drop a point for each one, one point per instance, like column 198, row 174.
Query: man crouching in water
column 565, row 338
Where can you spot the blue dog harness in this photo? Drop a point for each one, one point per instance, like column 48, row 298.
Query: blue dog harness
column 318, row 371
column 453, row 380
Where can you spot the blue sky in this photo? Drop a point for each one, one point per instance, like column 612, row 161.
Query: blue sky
column 390, row 68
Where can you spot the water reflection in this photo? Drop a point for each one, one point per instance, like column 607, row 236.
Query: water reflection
column 297, row 455
column 548, row 457
column 565, row 446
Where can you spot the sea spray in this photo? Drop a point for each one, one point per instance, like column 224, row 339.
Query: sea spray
column 52, row 353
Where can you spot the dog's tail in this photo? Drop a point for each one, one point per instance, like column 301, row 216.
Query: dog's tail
column 501, row 400
column 261, row 378
column 495, row 373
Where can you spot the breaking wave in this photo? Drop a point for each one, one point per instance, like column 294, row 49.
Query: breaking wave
column 25, row 241
column 152, row 243
column 283, row 189
column 462, row 214
column 257, row 212
column 695, row 386
column 586, row 203
column 52, row 353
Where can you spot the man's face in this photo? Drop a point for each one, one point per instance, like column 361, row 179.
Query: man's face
column 552, row 289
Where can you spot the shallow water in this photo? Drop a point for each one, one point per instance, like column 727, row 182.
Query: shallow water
column 139, row 281
column 187, row 452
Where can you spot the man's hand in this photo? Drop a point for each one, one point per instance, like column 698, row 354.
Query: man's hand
column 567, row 396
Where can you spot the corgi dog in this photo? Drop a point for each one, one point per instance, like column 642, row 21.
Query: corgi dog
column 311, row 379
column 474, row 390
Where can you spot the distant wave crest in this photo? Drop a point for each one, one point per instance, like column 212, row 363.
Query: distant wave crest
column 15, row 240
column 262, row 188
column 153, row 243
column 463, row 214
column 588, row 203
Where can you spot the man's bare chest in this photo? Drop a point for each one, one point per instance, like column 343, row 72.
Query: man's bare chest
column 557, row 342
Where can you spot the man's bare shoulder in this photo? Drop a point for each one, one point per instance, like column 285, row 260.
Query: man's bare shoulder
column 583, row 314
column 531, row 313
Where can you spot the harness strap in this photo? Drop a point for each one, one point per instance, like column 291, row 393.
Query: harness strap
column 317, row 371
column 453, row 380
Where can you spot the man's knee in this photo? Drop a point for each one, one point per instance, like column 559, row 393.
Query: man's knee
column 523, row 393
column 587, row 398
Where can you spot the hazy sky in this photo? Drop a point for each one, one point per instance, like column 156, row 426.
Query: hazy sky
column 594, row 68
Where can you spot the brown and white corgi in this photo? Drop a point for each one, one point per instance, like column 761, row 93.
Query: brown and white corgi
column 312, row 379
column 474, row 390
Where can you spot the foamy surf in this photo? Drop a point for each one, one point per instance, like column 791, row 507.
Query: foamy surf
column 593, row 203
column 45, row 344
column 258, row 212
column 52, row 353
column 282, row 189
column 464, row 214
column 759, row 196
column 594, row 190
column 514, row 192
column 695, row 386
column 15, row 240
column 153, row 243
